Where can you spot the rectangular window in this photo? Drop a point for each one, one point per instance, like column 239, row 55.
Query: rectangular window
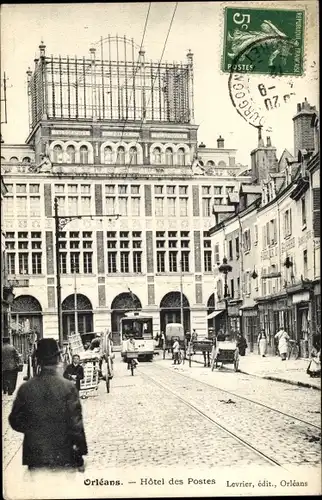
column 61, row 204
column 85, row 188
column 171, row 207
column 111, row 262
column 173, row 267
column 36, row 245
column 273, row 232
column 111, row 244
column 122, row 205
column 183, row 190
column 110, row 205
column 172, row 234
column 218, row 201
column 287, row 223
column 124, row 262
column 303, row 209
column 159, row 210
column 158, row 189
column 10, row 245
column 23, row 235
column 11, row 265
column 9, row 188
column 21, row 205
column 170, row 189
column 255, row 234
column 161, row 262
column 59, row 188
column 85, row 205
column 137, row 244
column 35, row 206
column 185, row 262
column 183, row 202
column 217, row 256
column 305, row 263
column 237, row 247
column 124, row 234
column 109, row 189
column 137, row 262
column 72, row 188
column 160, row 243
column 88, row 262
column 21, row 188
column 135, row 189
column 122, row 189
column 232, row 289
column 185, row 244
column 73, row 205
column 229, row 189
column 135, row 206
column 173, row 244
column 207, row 261
column 23, row 245
column 36, row 263
column 74, row 262
column 87, row 244
column 206, row 207
column 230, row 250
column 217, row 190
column 205, row 190
column 23, row 263
column 63, row 262
column 33, row 188
column 36, row 235
column 8, row 206
column 124, row 244
column 247, row 242
column 10, row 236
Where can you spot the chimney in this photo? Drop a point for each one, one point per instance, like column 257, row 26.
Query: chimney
column 268, row 142
column 42, row 48
column 260, row 139
column 220, row 142
column 303, row 131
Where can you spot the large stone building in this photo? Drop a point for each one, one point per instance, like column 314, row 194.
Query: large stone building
column 272, row 240
column 114, row 141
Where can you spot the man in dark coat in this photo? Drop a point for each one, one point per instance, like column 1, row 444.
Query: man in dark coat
column 74, row 371
column 48, row 412
column 10, row 362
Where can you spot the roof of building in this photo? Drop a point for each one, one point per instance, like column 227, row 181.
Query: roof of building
column 250, row 189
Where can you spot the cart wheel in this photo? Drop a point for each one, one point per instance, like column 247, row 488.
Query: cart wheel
column 108, row 382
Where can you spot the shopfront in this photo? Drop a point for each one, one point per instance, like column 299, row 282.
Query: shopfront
column 234, row 318
column 301, row 299
column 275, row 313
column 250, row 326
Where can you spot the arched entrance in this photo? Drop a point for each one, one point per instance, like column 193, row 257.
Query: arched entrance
column 26, row 321
column 84, row 315
column 122, row 303
column 170, row 311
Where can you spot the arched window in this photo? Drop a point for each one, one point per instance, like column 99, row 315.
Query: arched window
column 14, row 159
column 120, row 158
column 3, row 158
column 210, row 163
column 108, row 155
column 83, row 155
column 26, row 159
column 169, row 156
column 133, row 156
column 57, row 154
column 157, row 155
column 70, row 153
column 181, row 156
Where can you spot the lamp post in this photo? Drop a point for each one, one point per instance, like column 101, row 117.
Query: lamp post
column 225, row 268
column 181, row 296
column 60, row 223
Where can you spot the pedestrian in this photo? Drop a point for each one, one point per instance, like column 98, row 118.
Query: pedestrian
column 10, row 366
column 262, row 343
column 74, row 371
column 131, row 347
column 176, row 351
column 241, row 344
column 282, row 337
column 314, row 368
column 96, row 342
column 47, row 410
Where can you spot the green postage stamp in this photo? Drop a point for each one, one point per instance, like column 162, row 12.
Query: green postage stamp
column 263, row 41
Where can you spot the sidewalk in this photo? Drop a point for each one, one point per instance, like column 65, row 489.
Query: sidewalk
column 273, row 368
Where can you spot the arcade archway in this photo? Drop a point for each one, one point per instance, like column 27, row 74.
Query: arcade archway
column 170, row 310
column 122, row 303
column 84, row 315
column 26, row 322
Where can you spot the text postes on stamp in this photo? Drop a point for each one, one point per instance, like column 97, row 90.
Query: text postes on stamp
column 279, row 34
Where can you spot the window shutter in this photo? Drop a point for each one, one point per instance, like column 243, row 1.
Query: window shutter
column 290, row 228
column 316, row 212
column 275, row 231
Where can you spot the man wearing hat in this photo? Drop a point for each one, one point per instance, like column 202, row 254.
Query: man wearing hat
column 10, row 362
column 47, row 410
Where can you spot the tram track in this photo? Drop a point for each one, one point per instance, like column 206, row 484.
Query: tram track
column 200, row 412
column 230, row 393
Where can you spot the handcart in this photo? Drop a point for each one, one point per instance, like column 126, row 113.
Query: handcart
column 174, row 331
column 223, row 353
column 90, row 361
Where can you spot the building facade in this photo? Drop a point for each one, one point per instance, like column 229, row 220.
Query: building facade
column 115, row 144
column 279, row 235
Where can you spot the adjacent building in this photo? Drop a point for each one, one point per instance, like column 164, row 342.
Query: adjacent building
column 270, row 235
column 113, row 140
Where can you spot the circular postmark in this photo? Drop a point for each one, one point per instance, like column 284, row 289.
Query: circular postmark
column 259, row 99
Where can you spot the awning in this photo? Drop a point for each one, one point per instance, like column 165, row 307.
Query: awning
column 214, row 314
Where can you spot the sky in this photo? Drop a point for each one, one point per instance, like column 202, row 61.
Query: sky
column 71, row 29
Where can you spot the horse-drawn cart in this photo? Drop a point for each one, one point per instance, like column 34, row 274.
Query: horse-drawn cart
column 223, row 353
column 203, row 346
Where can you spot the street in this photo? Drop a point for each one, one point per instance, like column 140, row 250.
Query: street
column 169, row 416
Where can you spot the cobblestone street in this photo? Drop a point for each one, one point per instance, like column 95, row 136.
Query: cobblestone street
column 191, row 417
